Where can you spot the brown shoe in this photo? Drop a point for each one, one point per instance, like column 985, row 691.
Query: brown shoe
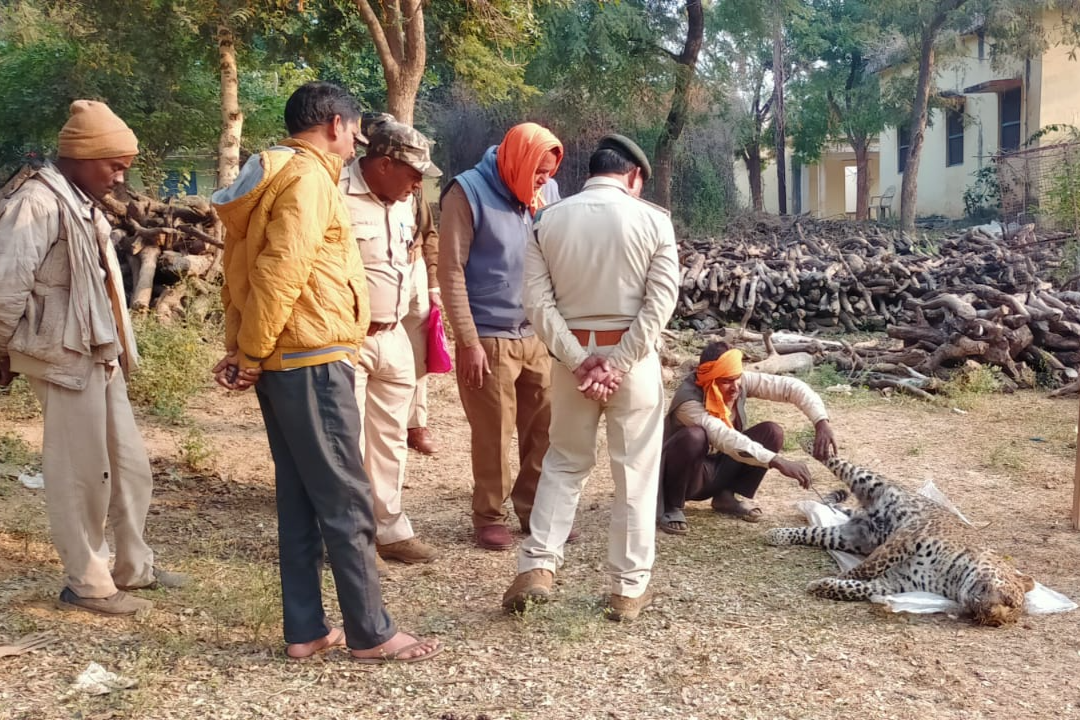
column 117, row 604
column 409, row 551
column 162, row 579
column 494, row 537
column 420, row 440
column 531, row 586
column 381, row 567
column 622, row 608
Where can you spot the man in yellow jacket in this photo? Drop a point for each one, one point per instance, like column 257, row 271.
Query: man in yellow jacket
column 296, row 311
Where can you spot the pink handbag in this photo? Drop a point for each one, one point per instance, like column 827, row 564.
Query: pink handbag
column 438, row 353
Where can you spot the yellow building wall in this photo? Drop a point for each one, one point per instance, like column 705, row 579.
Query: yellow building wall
column 1054, row 97
column 768, row 184
column 826, row 195
column 941, row 188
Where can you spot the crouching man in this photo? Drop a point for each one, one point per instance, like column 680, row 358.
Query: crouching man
column 711, row 451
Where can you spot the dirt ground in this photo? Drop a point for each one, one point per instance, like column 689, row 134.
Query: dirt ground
column 732, row 634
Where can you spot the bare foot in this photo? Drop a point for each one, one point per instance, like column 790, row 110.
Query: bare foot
column 334, row 638
column 403, row 647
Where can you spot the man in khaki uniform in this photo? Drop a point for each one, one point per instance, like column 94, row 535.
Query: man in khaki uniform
column 601, row 282
column 378, row 190
column 424, row 260
column 64, row 324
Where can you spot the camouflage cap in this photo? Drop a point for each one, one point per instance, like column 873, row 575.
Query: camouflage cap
column 401, row 142
column 368, row 119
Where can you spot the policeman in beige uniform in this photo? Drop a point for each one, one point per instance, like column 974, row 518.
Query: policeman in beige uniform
column 378, row 192
column 601, row 282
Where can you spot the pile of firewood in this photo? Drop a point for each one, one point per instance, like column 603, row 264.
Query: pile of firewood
column 159, row 244
column 973, row 295
column 169, row 249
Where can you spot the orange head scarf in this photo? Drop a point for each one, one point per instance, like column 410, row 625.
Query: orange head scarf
column 518, row 157
column 726, row 367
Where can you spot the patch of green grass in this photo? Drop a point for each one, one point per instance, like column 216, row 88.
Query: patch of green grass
column 966, row 387
column 196, row 452
column 16, row 452
column 1006, row 456
column 567, row 619
column 175, row 366
column 18, row 402
column 239, row 596
column 825, row 375
column 798, row 440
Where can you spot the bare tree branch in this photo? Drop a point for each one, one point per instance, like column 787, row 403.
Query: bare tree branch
column 415, row 42
column 378, row 37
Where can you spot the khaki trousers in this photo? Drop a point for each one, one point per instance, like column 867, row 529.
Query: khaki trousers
column 96, row 471
column 517, row 393
column 635, row 429
column 415, row 323
column 384, row 385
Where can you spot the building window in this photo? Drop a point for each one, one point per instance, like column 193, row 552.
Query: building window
column 954, row 132
column 903, row 142
column 1010, row 120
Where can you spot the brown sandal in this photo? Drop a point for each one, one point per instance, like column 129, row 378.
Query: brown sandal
column 672, row 527
column 395, row 657
column 741, row 510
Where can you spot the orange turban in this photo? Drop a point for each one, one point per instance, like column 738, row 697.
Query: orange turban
column 519, row 155
column 726, row 367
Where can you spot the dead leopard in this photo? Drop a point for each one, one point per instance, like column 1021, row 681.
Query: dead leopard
column 911, row 544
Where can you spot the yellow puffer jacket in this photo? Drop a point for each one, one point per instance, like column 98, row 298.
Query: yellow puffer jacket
column 295, row 293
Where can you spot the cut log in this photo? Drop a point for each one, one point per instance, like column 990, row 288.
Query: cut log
column 144, row 277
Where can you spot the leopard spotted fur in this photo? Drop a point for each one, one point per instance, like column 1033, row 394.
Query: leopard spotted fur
column 911, row 544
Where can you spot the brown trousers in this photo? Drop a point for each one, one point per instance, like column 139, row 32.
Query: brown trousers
column 517, row 393
column 689, row 472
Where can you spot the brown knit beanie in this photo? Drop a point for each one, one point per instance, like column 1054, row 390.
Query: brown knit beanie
column 94, row 132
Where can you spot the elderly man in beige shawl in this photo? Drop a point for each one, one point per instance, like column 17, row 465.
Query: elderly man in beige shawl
column 64, row 324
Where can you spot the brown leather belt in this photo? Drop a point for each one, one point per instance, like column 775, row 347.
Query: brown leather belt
column 378, row 327
column 604, row 338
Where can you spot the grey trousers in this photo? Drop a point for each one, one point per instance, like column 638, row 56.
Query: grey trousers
column 323, row 496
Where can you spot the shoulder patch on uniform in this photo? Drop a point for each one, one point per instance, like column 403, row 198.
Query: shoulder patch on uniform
column 655, row 206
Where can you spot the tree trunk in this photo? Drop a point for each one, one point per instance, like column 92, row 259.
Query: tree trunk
column 862, row 178
column 909, row 188
column 686, row 64
column 398, row 34
column 752, row 158
column 779, row 131
column 232, row 120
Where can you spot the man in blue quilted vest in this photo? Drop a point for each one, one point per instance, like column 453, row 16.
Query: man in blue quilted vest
column 502, row 367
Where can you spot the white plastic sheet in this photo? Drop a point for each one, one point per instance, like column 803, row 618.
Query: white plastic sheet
column 34, row 482
column 1039, row 601
column 96, row 680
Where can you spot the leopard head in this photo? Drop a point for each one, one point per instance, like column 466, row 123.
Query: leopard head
column 997, row 600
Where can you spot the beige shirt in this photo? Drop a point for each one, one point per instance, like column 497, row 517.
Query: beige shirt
column 762, row 386
column 383, row 233
column 602, row 260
